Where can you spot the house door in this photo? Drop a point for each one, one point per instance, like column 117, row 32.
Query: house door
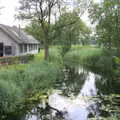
column 1, row 49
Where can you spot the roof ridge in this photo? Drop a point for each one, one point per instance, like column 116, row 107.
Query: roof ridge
column 6, row 30
column 18, row 35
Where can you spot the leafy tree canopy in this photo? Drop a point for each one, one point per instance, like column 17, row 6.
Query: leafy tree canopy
column 107, row 17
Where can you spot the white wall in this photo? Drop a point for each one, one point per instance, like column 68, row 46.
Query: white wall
column 35, row 51
column 8, row 41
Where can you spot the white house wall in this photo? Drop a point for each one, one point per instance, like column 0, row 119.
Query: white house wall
column 30, row 51
column 8, row 41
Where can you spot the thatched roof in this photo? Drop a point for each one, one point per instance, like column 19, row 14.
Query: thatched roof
column 18, row 35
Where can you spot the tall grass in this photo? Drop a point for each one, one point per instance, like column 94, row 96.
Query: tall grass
column 91, row 58
column 55, row 56
column 19, row 83
column 40, row 55
column 79, row 55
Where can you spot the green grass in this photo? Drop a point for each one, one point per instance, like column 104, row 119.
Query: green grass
column 12, row 67
column 37, row 57
column 55, row 56
column 40, row 56
column 23, row 80
column 92, row 58
column 78, row 55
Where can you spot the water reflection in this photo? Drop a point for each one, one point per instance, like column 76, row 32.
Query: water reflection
column 72, row 99
column 78, row 107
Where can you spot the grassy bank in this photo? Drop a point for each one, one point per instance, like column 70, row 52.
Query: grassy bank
column 81, row 55
column 92, row 58
column 23, row 81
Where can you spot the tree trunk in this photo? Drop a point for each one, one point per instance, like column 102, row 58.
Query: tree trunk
column 46, row 52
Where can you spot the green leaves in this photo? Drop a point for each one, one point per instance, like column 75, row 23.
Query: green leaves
column 70, row 29
column 106, row 15
column 17, row 84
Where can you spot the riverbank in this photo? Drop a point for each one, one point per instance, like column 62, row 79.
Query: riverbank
column 93, row 58
column 22, row 85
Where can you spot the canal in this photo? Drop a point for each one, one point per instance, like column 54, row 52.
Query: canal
column 80, row 95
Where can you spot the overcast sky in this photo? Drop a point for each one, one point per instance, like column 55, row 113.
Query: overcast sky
column 8, row 12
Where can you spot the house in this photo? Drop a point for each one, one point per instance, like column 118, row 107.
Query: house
column 15, row 42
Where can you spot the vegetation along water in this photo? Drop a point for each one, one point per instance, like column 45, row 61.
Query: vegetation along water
column 76, row 74
column 25, row 87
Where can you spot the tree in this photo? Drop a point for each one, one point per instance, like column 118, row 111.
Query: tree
column 39, row 11
column 33, row 29
column 69, row 29
column 107, row 17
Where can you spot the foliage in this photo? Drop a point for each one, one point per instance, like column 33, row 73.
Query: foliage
column 108, row 107
column 16, row 59
column 40, row 12
column 106, row 15
column 40, row 55
column 23, row 86
column 44, row 13
column 34, row 29
column 68, row 30
column 96, row 59
column 17, row 84
column 55, row 56
column 117, row 67
column 78, row 55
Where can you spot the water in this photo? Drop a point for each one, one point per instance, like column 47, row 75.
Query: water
column 72, row 98
column 81, row 95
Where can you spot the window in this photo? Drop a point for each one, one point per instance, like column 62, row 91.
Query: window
column 21, row 48
column 32, row 46
column 1, row 49
column 29, row 47
column 8, row 50
column 36, row 46
column 25, row 48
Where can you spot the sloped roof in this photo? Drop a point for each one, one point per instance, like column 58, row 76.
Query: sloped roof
column 18, row 35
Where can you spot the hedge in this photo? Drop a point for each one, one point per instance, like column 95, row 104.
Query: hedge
column 16, row 59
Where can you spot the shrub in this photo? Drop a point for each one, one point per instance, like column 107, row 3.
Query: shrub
column 55, row 56
column 16, row 59
column 40, row 55
column 17, row 84
column 85, row 56
column 10, row 95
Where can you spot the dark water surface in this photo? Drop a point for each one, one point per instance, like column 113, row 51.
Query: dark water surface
column 77, row 97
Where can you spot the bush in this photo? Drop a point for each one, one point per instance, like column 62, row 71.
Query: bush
column 116, row 67
column 16, row 59
column 10, row 95
column 55, row 56
column 20, row 83
column 85, row 56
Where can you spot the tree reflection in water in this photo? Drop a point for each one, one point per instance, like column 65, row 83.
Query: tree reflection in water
column 81, row 96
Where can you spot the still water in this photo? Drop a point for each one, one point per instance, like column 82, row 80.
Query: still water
column 72, row 98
